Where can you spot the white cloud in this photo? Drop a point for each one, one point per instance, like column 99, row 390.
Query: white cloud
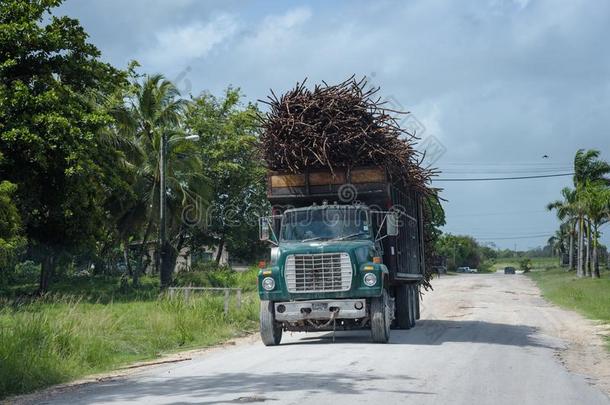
column 275, row 31
column 177, row 46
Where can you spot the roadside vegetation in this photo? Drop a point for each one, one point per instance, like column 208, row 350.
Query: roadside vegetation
column 91, row 325
column 81, row 286
column 587, row 296
column 462, row 250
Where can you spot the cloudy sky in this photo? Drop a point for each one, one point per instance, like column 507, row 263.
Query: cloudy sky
column 493, row 86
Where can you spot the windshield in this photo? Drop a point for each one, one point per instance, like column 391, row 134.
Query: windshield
column 332, row 223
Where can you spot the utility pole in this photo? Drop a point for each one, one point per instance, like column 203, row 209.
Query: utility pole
column 455, row 246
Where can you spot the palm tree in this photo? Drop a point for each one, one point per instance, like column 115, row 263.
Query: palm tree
column 559, row 241
column 154, row 110
column 588, row 167
column 597, row 202
column 567, row 213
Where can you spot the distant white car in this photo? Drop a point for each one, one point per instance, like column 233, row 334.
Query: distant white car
column 466, row 269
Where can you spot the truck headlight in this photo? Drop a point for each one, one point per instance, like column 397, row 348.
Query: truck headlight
column 268, row 283
column 370, row 279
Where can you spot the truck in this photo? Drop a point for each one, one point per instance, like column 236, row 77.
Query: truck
column 347, row 252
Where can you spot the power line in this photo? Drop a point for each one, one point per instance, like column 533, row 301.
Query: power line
column 505, row 171
column 516, row 237
column 482, row 214
column 511, row 164
column 507, row 178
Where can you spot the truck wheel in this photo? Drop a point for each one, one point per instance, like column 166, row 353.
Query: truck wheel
column 380, row 318
column 271, row 331
column 417, row 299
column 402, row 307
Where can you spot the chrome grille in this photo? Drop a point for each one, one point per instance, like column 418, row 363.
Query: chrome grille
column 318, row 272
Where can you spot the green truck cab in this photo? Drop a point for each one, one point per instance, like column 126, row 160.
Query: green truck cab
column 337, row 263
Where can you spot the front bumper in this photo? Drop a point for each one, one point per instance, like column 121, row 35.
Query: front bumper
column 295, row 311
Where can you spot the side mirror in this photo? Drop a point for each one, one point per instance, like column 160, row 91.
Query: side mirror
column 391, row 224
column 264, row 227
column 265, row 230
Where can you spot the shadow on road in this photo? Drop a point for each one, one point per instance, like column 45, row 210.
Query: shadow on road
column 438, row 332
column 226, row 388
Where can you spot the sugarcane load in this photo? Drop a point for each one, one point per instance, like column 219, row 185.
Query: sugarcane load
column 347, row 227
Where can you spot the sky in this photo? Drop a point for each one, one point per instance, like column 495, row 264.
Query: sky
column 493, row 86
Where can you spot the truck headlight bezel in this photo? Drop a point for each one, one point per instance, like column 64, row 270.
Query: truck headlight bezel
column 369, row 279
column 268, row 283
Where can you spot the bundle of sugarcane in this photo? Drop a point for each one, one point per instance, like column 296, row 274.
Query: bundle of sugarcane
column 343, row 125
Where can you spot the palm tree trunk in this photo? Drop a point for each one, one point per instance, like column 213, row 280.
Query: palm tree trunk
column 595, row 254
column 588, row 258
column 581, row 243
column 571, row 249
column 140, row 268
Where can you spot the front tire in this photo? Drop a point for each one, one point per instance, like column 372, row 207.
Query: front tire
column 380, row 318
column 271, row 331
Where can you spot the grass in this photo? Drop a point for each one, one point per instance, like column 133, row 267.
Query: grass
column 590, row 297
column 98, row 327
column 538, row 263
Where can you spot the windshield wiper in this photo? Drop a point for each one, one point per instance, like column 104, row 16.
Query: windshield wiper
column 351, row 235
column 314, row 238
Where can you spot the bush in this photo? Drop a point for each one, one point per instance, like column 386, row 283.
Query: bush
column 26, row 272
column 12, row 242
column 526, row 265
column 209, row 274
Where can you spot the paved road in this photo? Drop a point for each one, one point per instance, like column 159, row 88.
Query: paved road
column 483, row 339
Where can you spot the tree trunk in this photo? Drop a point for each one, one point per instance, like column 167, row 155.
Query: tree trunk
column 221, row 246
column 131, row 271
column 47, row 269
column 167, row 264
column 571, row 250
column 595, row 255
column 140, row 267
column 581, row 243
column 588, row 258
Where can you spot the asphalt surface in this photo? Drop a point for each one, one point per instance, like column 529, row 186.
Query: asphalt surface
column 482, row 339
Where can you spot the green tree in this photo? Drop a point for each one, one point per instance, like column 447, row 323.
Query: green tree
column 11, row 238
column 48, row 129
column 228, row 150
column 460, row 250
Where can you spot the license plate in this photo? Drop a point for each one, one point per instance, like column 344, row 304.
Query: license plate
column 319, row 306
